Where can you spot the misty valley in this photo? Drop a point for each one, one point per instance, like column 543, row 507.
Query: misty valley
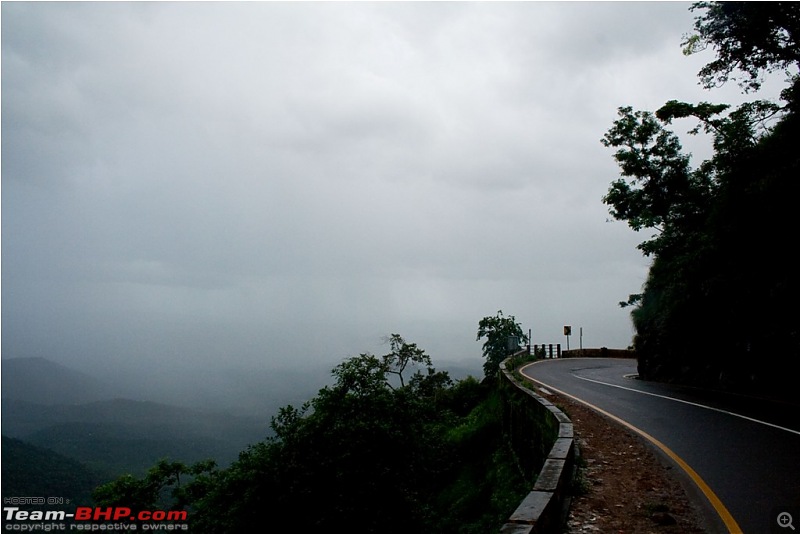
column 64, row 431
column 190, row 254
column 388, row 438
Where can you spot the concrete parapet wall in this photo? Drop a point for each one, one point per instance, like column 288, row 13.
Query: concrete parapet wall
column 598, row 353
column 543, row 510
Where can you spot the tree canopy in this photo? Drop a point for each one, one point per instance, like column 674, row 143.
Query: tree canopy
column 497, row 330
column 719, row 284
column 749, row 38
column 391, row 445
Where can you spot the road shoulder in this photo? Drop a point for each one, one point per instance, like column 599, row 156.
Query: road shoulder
column 625, row 484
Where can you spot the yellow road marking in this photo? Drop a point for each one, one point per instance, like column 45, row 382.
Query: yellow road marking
column 730, row 523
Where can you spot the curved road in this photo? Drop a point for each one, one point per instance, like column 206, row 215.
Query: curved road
column 742, row 454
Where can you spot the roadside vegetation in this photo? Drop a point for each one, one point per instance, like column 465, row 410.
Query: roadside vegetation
column 393, row 445
column 716, row 308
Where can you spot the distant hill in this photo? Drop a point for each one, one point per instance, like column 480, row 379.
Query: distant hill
column 29, row 470
column 42, row 381
column 50, row 405
column 121, row 435
column 76, row 415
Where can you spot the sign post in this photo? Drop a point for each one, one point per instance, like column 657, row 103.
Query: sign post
column 567, row 332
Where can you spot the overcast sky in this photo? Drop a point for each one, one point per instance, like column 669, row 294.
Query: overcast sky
column 278, row 184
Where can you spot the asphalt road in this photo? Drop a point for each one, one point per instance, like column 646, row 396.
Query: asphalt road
column 743, row 451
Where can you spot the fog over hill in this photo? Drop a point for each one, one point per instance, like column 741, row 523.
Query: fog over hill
column 212, row 204
column 225, row 389
column 42, row 381
column 84, row 418
column 234, row 389
column 196, row 192
column 118, row 427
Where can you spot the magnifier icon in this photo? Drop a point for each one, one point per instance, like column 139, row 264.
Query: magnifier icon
column 785, row 520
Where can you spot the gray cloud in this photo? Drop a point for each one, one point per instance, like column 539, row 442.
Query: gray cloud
column 286, row 183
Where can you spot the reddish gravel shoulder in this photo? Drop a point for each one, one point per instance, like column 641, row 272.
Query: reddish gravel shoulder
column 625, row 486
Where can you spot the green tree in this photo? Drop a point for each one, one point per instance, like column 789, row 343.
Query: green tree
column 709, row 304
column 366, row 454
column 497, row 330
column 163, row 485
column 659, row 190
column 751, row 38
column 403, row 354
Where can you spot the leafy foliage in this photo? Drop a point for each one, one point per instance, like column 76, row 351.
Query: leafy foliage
column 749, row 37
column 663, row 193
column 375, row 451
column 712, row 299
column 403, row 354
column 497, row 330
column 162, row 483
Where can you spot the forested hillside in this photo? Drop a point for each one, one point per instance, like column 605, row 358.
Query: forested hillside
column 124, row 436
column 718, row 306
column 70, row 414
column 37, row 471
column 393, row 445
